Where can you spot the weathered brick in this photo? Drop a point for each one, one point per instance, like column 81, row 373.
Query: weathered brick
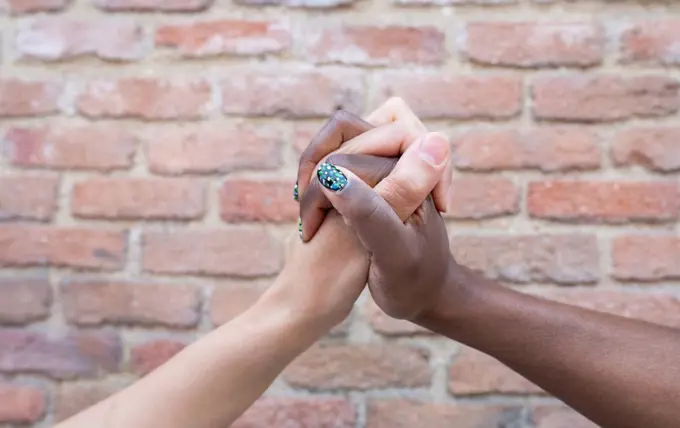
column 95, row 147
column 309, row 4
column 562, row 259
column 132, row 198
column 654, row 148
column 228, row 302
column 594, row 98
column 558, row 416
column 319, row 412
column 150, row 304
column 343, row 366
column 212, row 149
column 655, row 307
column 610, row 201
column 376, row 45
column 74, row 397
column 24, row 245
column 452, row 2
column 32, row 6
column 547, row 149
column 646, row 257
column 61, row 38
column 388, row 326
column 652, row 41
column 148, row 356
column 258, row 200
column 28, row 197
column 303, row 134
column 292, row 93
column 235, row 37
column 76, row 354
column 475, row 373
column 21, row 404
column 482, row 197
column 153, row 5
column 403, row 413
column 534, row 44
column 146, row 98
column 242, row 252
column 19, row 97
column 432, row 96
column 24, row 300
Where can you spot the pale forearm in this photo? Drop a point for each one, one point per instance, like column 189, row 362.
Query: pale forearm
column 618, row 372
column 213, row 381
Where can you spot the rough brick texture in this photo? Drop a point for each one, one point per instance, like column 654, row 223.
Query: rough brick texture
column 147, row 157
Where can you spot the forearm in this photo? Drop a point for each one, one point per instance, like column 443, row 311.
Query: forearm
column 617, row 372
column 214, row 380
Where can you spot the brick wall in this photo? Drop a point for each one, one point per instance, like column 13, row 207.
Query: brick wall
column 149, row 150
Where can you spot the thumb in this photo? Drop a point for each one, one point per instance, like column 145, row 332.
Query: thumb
column 378, row 227
column 418, row 171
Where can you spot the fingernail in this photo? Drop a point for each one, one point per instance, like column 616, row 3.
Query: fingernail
column 300, row 227
column 295, row 192
column 331, row 177
column 434, row 149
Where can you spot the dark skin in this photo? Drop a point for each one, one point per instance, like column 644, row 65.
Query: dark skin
column 617, row 372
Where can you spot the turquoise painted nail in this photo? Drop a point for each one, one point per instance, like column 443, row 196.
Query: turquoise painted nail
column 331, row 177
column 300, row 227
column 295, row 192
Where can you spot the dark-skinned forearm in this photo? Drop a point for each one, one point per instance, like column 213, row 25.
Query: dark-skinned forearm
column 617, row 372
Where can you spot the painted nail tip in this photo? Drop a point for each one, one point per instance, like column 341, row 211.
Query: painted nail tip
column 331, row 177
column 300, row 228
column 296, row 196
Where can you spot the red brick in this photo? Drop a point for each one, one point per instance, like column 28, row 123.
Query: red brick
column 388, row 326
column 242, row 252
column 21, row 404
column 258, row 200
column 611, row 201
column 646, row 258
column 475, row 373
column 655, row 148
column 654, row 307
column 303, row 134
column 213, row 148
column 24, row 300
column 146, row 98
column 235, row 37
column 33, row 6
column 652, row 41
column 557, row 416
column 76, row 354
column 20, row 97
column 433, row 96
column 24, row 245
column 228, row 302
column 59, row 39
column 371, row 45
column 535, row 44
column 292, row 93
column 338, row 366
column 149, row 356
column 562, row 259
column 95, row 147
column 404, row 413
column 100, row 302
column 452, row 2
column 29, row 197
column 546, row 149
column 309, row 4
column 153, row 5
column 73, row 398
column 318, row 412
column 133, row 198
column 482, row 197
column 593, row 98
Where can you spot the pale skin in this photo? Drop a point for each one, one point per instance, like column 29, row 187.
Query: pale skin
column 239, row 360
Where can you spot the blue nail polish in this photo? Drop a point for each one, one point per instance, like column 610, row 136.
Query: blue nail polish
column 295, row 192
column 300, row 227
column 331, row 177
